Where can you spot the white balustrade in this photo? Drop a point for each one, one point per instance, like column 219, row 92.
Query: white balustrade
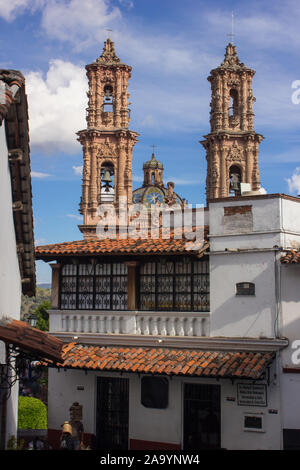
column 131, row 323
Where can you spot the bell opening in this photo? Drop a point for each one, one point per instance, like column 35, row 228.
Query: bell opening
column 107, row 191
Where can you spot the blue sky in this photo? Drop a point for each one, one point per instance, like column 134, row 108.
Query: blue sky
column 172, row 46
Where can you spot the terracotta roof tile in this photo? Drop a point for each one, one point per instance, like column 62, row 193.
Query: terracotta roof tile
column 117, row 246
column 291, row 257
column 166, row 361
column 40, row 344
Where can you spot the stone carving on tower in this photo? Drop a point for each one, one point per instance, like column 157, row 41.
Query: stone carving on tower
column 232, row 146
column 107, row 141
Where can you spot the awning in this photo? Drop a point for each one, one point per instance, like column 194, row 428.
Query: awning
column 167, row 361
column 40, row 344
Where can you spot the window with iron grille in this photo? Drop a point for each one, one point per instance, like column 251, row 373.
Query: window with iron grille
column 94, row 286
column 176, row 285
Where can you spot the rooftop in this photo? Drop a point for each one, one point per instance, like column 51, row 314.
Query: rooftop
column 123, row 246
column 167, row 361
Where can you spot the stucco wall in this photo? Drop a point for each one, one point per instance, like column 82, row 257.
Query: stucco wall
column 10, row 282
column 165, row 425
column 290, row 312
column 290, row 356
column 244, row 316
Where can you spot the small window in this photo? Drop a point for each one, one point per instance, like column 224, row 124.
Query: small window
column 245, row 288
column 253, row 422
column 154, row 392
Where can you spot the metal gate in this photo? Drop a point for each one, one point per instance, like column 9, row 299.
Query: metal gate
column 202, row 417
column 112, row 413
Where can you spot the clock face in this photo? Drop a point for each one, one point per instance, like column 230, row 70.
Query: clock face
column 153, row 196
column 148, row 197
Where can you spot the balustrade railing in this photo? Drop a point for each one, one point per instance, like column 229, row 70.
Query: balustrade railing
column 130, row 323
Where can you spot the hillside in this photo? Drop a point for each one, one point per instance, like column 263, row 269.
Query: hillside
column 30, row 303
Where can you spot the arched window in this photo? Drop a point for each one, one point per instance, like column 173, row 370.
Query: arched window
column 107, row 186
column 153, row 178
column 108, row 98
column 235, row 179
column 233, row 107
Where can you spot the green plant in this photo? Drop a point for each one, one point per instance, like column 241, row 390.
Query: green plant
column 12, row 443
column 32, row 413
column 42, row 315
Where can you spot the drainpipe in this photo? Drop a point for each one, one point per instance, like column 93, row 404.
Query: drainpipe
column 277, row 276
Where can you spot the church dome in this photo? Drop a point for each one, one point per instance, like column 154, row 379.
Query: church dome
column 153, row 164
column 153, row 190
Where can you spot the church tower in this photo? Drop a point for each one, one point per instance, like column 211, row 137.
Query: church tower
column 107, row 141
column 232, row 146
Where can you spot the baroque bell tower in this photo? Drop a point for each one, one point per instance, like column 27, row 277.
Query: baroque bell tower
column 232, row 146
column 107, row 141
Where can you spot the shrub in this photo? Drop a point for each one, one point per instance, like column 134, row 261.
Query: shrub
column 32, row 413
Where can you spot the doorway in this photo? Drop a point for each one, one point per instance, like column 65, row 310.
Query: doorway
column 202, row 417
column 112, row 413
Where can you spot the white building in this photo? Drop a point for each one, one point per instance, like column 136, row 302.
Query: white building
column 171, row 348
column 17, row 263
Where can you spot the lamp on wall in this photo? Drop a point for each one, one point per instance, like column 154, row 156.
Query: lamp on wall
column 32, row 320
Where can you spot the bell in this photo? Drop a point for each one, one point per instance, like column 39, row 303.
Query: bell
column 106, row 177
column 107, row 93
column 235, row 182
column 106, row 180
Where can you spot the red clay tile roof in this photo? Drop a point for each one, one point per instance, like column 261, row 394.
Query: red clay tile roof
column 291, row 257
column 167, row 361
column 41, row 344
column 119, row 246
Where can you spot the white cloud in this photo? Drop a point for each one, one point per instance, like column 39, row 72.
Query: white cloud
column 10, row 9
column 76, row 217
column 78, row 170
column 56, row 106
column 127, row 3
column 182, row 181
column 137, row 179
column 37, row 174
column 77, row 21
column 294, row 181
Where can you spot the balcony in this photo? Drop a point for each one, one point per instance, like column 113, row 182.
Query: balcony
column 139, row 323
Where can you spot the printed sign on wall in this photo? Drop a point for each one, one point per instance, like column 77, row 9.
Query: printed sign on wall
column 252, row 394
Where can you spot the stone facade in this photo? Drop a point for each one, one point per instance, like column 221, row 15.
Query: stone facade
column 232, row 146
column 107, row 142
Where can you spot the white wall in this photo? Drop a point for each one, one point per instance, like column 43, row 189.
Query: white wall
column 10, row 282
column 290, row 392
column 290, row 328
column 164, row 425
column 247, row 241
column 242, row 316
column 272, row 221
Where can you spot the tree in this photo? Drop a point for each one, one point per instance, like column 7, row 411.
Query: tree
column 42, row 315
